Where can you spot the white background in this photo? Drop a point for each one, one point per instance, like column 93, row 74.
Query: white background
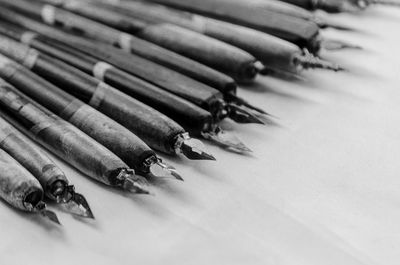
column 323, row 188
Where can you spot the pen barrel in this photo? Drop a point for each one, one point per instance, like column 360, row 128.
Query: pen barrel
column 299, row 31
column 169, row 80
column 31, row 158
column 154, row 128
column 130, row 43
column 130, row 148
column 273, row 52
column 214, row 53
column 190, row 116
column 172, row 60
column 17, row 183
column 60, row 137
column 102, row 98
column 151, row 126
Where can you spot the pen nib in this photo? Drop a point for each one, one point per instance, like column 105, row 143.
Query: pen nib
column 191, row 148
column 131, row 182
column 307, row 60
column 226, row 140
column 42, row 210
column 242, row 115
column 76, row 203
column 160, row 169
column 333, row 45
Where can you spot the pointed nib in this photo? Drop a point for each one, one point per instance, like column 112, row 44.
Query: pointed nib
column 226, row 140
column 163, row 170
column 42, row 210
column 192, row 148
column 241, row 115
column 132, row 183
column 78, row 205
column 50, row 215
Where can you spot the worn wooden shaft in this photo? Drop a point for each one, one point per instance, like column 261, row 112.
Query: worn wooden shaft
column 223, row 57
column 156, row 129
column 174, row 82
column 17, row 184
column 216, row 54
column 297, row 30
column 273, row 52
column 60, row 137
column 32, row 158
column 191, row 117
column 106, row 131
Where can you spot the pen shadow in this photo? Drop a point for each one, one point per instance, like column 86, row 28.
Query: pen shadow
column 200, row 166
column 144, row 201
column 171, row 187
column 38, row 220
column 381, row 13
column 265, row 87
column 355, row 69
column 86, row 221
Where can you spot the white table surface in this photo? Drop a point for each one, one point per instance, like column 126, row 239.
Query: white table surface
column 323, row 188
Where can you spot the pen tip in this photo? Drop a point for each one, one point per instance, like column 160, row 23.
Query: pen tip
column 131, row 182
column 242, row 115
column 43, row 211
column 51, row 216
column 194, row 149
column 78, row 206
column 161, row 169
column 226, row 140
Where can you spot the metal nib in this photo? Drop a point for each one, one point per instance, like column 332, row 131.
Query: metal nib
column 226, row 140
column 163, row 170
column 307, row 60
column 131, row 182
column 42, row 210
column 192, row 148
column 333, row 45
column 241, row 115
column 76, row 203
